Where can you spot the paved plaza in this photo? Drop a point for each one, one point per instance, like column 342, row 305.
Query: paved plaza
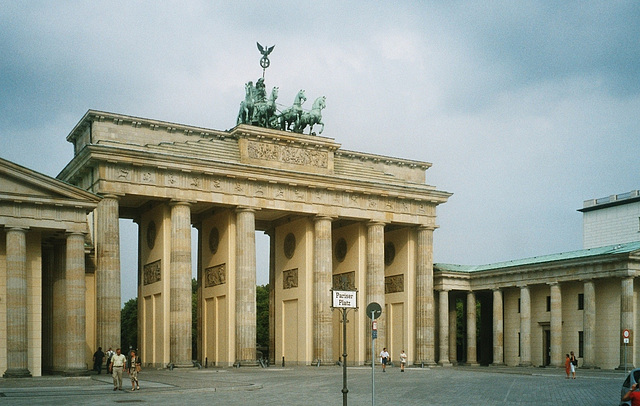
column 322, row 386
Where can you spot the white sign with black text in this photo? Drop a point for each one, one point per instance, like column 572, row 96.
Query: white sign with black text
column 345, row 299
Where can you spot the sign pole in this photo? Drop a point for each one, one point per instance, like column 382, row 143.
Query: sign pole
column 373, row 364
column 344, row 357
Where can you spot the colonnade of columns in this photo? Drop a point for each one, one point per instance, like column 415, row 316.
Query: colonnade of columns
column 556, row 354
column 69, row 329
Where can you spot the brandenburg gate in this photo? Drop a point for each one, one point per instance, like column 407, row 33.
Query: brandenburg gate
column 333, row 217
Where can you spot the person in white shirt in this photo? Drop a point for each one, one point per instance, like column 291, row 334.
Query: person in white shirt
column 384, row 359
column 403, row 360
column 118, row 364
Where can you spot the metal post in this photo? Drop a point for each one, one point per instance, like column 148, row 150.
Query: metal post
column 373, row 366
column 344, row 357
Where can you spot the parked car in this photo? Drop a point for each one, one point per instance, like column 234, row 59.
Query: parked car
column 633, row 377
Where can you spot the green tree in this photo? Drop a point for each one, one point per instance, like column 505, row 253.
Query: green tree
column 129, row 325
column 262, row 315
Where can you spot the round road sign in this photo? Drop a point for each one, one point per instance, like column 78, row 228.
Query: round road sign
column 625, row 333
column 375, row 309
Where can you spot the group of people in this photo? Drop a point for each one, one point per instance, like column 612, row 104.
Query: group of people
column 117, row 364
column 570, row 364
column 385, row 359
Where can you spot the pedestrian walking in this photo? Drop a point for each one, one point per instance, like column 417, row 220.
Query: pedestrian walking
column 574, row 364
column 134, row 367
column 403, row 360
column 384, row 359
column 118, row 365
column 567, row 365
column 98, row 357
column 109, row 354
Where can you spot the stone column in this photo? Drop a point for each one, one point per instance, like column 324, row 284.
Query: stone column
column 322, row 317
column 453, row 331
column 425, row 315
column 180, row 286
column 272, row 295
column 59, row 292
column 75, row 323
column 443, row 310
column 472, row 354
column 108, row 273
column 375, row 282
column 626, row 321
column 557, row 358
column 589, row 325
column 245, row 286
column 498, row 328
column 16, row 302
column 525, row 326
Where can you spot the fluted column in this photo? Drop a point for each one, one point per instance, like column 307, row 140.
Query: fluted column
column 323, row 318
column 626, row 321
column 16, row 302
column 375, row 281
column 425, row 315
column 75, row 323
column 472, row 354
column 59, row 311
column 498, row 328
column 180, row 285
column 557, row 358
column 245, row 286
column 589, row 325
column 444, row 327
column 525, row 326
column 108, row 273
column 272, row 295
column 453, row 331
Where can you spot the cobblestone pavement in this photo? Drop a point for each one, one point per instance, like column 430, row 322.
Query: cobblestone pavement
column 323, row 386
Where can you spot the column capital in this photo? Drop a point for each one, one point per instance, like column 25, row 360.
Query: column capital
column 111, row 196
column 554, row 283
column 244, row 209
column 425, row 227
column 372, row 223
column 318, row 217
column 176, row 202
column 18, row 228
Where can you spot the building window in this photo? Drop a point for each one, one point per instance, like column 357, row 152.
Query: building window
column 518, row 305
column 548, row 303
column 519, row 343
column 580, row 344
column 580, row 301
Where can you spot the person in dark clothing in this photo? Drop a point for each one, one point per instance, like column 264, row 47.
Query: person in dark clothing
column 98, row 356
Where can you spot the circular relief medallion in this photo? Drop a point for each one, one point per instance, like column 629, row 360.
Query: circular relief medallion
column 214, row 239
column 289, row 245
column 341, row 249
column 151, row 234
column 389, row 253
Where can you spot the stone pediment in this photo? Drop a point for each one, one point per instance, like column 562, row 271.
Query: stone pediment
column 20, row 184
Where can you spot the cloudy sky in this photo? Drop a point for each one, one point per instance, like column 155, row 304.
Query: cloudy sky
column 525, row 108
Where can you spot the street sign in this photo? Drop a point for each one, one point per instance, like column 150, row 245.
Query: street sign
column 375, row 309
column 374, row 334
column 625, row 333
column 345, row 299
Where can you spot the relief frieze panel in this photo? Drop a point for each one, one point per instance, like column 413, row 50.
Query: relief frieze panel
column 394, row 283
column 152, row 272
column 344, row 281
column 290, row 278
column 251, row 188
column 215, row 275
column 287, row 154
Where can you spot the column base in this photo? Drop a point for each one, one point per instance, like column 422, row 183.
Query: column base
column 525, row 364
column 76, row 372
column 445, row 364
column 17, row 373
column 497, row 364
column 182, row 364
column 472, row 364
column 247, row 363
